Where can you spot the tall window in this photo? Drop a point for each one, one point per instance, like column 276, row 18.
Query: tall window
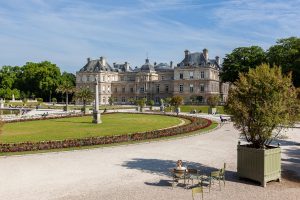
column 201, row 87
column 181, row 75
column 202, row 75
column 103, row 88
column 104, row 100
column 116, row 89
column 162, row 77
column 157, row 88
column 167, row 88
column 142, row 90
column 123, row 99
column 131, row 90
column 108, row 88
column 180, row 88
column 191, row 75
column 191, row 88
column 123, row 90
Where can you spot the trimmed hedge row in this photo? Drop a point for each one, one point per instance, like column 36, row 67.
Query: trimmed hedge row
column 196, row 124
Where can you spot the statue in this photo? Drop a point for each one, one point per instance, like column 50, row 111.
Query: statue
column 162, row 106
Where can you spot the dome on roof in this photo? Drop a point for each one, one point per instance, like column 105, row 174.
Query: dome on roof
column 147, row 66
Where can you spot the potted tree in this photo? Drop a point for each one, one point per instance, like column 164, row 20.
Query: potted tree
column 151, row 104
column 141, row 103
column 213, row 101
column 262, row 103
column 176, row 101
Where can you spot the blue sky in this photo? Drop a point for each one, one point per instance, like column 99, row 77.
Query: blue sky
column 66, row 32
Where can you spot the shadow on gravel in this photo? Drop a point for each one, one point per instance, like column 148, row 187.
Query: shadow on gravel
column 162, row 167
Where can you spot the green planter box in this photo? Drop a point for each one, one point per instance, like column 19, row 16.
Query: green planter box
column 66, row 108
column 262, row 165
column 212, row 110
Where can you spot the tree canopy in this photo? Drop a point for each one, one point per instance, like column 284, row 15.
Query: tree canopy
column 33, row 80
column 240, row 60
column 262, row 101
column 286, row 54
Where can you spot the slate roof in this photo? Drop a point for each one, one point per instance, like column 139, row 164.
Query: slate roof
column 197, row 59
column 96, row 66
column 147, row 66
column 122, row 68
column 163, row 67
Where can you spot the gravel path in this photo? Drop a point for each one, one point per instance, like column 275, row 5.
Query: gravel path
column 140, row 171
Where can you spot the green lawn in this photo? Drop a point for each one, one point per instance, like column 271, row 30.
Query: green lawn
column 80, row 127
column 203, row 108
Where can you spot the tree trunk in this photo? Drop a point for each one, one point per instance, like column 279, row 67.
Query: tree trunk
column 67, row 99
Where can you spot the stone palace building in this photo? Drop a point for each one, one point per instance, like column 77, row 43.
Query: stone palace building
column 195, row 77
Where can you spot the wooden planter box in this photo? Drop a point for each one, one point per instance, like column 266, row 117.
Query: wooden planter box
column 262, row 165
column 212, row 110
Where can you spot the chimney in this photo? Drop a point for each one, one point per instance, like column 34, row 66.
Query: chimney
column 102, row 61
column 218, row 60
column 154, row 63
column 114, row 64
column 126, row 66
column 88, row 60
column 171, row 64
column 147, row 60
column 205, row 54
column 186, row 57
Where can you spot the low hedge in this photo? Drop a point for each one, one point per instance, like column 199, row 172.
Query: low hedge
column 196, row 124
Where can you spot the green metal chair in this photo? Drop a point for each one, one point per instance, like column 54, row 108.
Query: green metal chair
column 196, row 190
column 218, row 175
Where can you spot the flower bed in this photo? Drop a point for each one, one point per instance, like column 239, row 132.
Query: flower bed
column 196, row 124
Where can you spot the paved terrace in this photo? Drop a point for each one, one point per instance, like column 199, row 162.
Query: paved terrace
column 140, row 171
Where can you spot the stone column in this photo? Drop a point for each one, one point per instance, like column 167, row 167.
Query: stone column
column 96, row 112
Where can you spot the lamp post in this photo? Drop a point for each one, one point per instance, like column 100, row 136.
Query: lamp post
column 96, row 113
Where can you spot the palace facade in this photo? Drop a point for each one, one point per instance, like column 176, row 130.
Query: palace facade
column 195, row 78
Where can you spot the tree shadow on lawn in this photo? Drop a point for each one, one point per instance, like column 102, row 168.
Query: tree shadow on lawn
column 163, row 167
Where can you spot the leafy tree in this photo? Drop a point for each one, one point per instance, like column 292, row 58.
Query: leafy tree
column 262, row 100
column 240, row 60
column 66, row 88
column 176, row 101
column 8, row 79
column 213, row 100
column 141, row 103
column 42, row 79
column 286, row 53
column 84, row 95
column 151, row 103
column 110, row 101
column 131, row 100
column 167, row 101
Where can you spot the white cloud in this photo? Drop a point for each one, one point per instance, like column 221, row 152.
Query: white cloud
column 66, row 32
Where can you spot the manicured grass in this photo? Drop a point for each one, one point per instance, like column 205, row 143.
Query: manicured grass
column 207, row 129
column 81, row 127
column 203, row 108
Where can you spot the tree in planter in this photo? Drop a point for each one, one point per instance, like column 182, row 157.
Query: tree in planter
column 141, row 103
column 84, row 95
column 176, row 101
column 262, row 103
column 66, row 88
column 213, row 101
column 151, row 104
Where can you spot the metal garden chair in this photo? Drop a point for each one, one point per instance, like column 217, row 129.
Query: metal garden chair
column 196, row 190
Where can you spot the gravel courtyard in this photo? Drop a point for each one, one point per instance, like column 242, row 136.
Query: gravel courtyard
column 140, row 171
